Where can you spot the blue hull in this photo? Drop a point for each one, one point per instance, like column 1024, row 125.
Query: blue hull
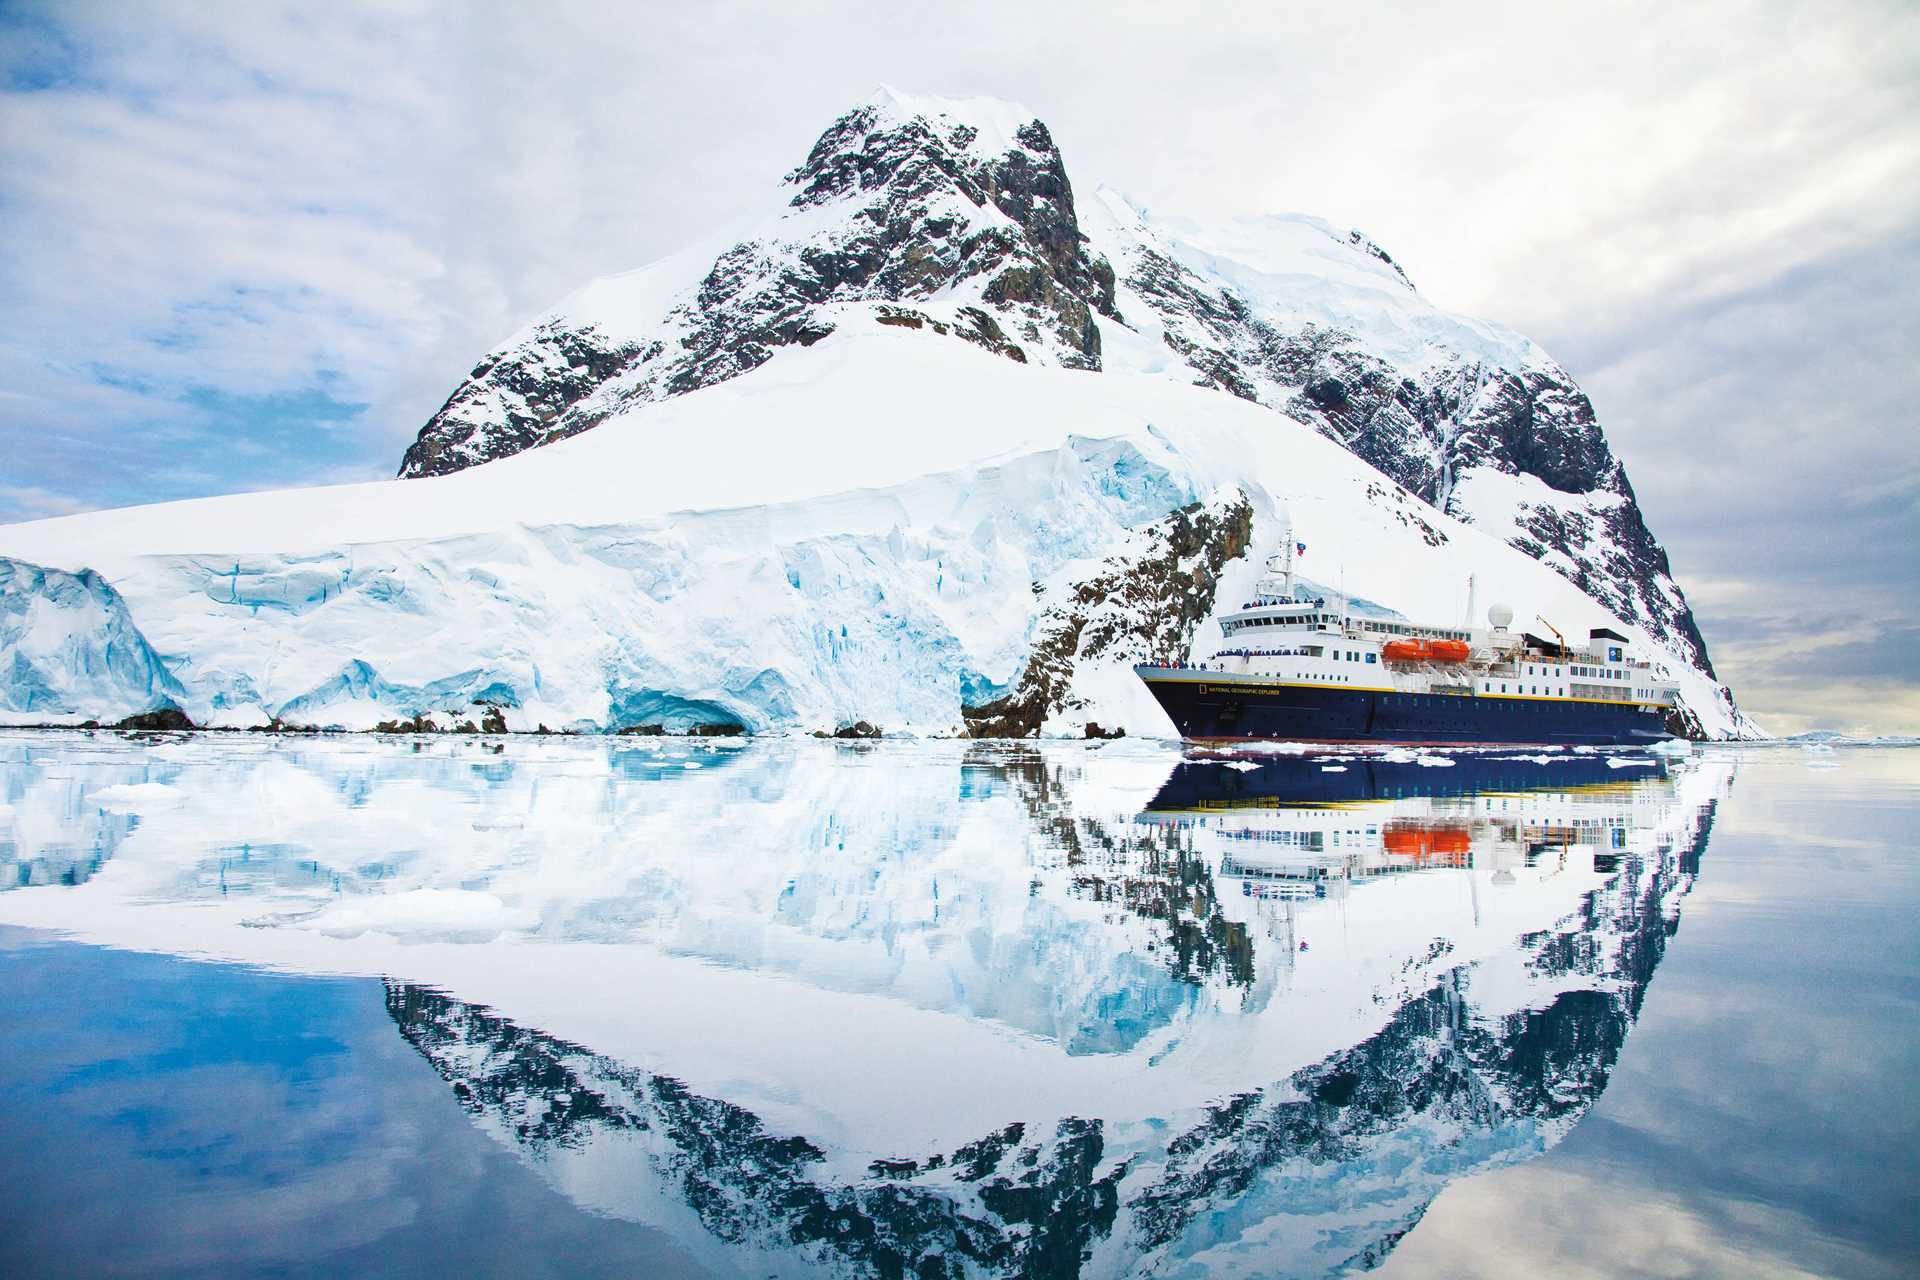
column 1279, row 782
column 1225, row 709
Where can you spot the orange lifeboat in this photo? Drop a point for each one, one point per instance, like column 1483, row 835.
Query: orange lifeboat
column 1428, row 844
column 1425, row 650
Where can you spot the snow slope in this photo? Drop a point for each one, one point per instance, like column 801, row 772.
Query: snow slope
column 957, row 218
column 861, row 528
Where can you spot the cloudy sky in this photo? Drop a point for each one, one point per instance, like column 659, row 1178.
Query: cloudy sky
column 250, row 246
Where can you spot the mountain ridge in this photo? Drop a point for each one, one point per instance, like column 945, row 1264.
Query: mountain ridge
column 959, row 217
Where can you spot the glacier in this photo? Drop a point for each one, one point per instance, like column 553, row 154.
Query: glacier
column 712, row 559
column 70, row 652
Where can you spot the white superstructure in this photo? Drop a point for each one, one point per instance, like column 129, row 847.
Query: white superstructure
column 1284, row 636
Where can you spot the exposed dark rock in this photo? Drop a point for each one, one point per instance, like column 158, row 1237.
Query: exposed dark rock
column 980, row 328
column 1142, row 609
column 165, row 718
column 533, row 394
column 493, row 719
column 858, row 729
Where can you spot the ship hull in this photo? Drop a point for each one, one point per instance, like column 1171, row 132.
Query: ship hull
column 1209, row 707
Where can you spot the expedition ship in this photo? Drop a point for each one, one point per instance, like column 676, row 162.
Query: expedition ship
column 1297, row 669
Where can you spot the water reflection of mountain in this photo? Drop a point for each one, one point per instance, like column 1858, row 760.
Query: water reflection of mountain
column 1321, row 1170
column 1153, row 873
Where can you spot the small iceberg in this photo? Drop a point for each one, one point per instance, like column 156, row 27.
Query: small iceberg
column 137, row 797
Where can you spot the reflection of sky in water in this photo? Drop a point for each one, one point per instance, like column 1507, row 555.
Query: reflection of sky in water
column 168, row 1118
column 1184, row 1014
column 1764, row 1115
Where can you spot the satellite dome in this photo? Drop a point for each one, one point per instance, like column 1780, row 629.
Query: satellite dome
column 1500, row 615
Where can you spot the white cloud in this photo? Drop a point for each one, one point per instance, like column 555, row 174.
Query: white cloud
column 33, row 504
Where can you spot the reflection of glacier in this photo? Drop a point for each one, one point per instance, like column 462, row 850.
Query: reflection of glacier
column 51, row 831
column 1461, row 1067
column 938, row 1008
column 955, row 882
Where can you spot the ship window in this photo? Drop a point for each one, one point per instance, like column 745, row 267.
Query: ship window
column 1370, row 657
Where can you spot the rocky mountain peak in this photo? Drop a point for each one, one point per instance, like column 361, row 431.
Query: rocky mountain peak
column 901, row 201
column 922, row 179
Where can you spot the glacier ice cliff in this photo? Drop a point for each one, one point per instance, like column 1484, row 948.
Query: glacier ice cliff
column 70, row 652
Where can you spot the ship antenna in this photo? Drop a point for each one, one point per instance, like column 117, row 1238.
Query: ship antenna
column 1284, row 557
column 1287, row 561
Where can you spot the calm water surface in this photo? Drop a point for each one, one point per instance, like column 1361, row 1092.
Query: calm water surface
column 662, row 1008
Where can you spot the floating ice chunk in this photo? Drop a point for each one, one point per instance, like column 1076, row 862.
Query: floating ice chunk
column 1428, row 761
column 1630, row 762
column 1333, row 768
column 420, row 913
column 137, row 797
column 1242, row 765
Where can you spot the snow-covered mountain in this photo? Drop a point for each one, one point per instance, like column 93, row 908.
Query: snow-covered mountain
column 958, row 218
column 937, row 447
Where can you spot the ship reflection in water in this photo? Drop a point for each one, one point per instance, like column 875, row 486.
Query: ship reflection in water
column 942, row 1009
